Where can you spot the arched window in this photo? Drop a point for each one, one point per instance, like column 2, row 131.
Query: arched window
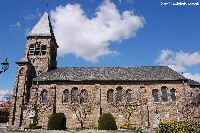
column 74, row 95
column 65, row 96
column 44, row 96
column 155, row 95
column 22, row 71
column 129, row 96
column 110, row 95
column 84, row 96
column 164, row 94
column 173, row 94
column 119, row 94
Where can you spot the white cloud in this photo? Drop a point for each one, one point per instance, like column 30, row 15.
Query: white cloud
column 17, row 26
column 90, row 38
column 179, row 61
column 195, row 76
column 128, row 1
column 3, row 93
column 33, row 16
column 164, row 55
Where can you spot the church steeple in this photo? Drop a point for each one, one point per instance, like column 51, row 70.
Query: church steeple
column 41, row 48
column 43, row 27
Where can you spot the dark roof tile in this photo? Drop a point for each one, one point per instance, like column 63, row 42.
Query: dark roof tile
column 143, row 73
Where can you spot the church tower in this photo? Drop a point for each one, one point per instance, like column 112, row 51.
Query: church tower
column 41, row 47
column 40, row 56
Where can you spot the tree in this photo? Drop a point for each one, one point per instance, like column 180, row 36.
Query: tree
column 81, row 104
column 190, row 108
column 127, row 105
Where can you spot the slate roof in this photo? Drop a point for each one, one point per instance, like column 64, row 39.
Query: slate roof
column 43, row 27
column 194, row 83
column 143, row 73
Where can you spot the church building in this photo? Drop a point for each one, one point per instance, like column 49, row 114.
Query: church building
column 134, row 95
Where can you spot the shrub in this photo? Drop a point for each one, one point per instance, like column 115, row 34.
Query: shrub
column 176, row 127
column 125, row 126
column 141, row 130
column 107, row 122
column 34, row 126
column 57, row 121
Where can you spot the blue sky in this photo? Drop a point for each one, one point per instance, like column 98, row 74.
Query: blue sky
column 153, row 33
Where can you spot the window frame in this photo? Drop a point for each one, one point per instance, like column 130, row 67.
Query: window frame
column 45, row 96
column 110, row 98
column 74, row 95
column 129, row 99
column 84, row 96
column 155, row 95
column 173, row 95
column 119, row 95
column 66, row 98
column 164, row 94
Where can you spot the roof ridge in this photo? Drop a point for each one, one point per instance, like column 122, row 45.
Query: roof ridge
column 108, row 67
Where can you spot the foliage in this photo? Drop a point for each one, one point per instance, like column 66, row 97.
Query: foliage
column 128, row 127
column 81, row 111
column 4, row 113
column 177, row 127
column 125, row 126
column 57, row 121
column 141, row 130
column 34, row 126
column 107, row 122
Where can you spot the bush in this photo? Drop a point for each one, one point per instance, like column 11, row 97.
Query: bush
column 34, row 126
column 176, row 127
column 107, row 122
column 57, row 121
column 4, row 113
column 141, row 130
column 125, row 126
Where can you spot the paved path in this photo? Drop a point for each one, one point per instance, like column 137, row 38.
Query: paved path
column 4, row 131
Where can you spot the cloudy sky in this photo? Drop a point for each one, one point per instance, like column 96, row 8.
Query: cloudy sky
column 107, row 33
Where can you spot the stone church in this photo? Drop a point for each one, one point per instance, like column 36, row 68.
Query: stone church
column 134, row 95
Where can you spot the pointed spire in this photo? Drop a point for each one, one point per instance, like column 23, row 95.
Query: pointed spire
column 43, row 27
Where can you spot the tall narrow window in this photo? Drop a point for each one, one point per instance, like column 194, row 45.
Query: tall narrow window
column 155, row 95
column 110, row 95
column 173, row 94
column 65, row 96
column 32, row 50
column 84, row 96
column 37, row 49
column 74, row 95
column 119, row 94
column 129, row 96
column 164, row 94
column 44, row 97
column 44, row 47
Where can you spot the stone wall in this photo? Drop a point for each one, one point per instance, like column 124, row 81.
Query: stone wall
column 139, row 117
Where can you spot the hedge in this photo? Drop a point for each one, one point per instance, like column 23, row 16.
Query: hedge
column 176, row 127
